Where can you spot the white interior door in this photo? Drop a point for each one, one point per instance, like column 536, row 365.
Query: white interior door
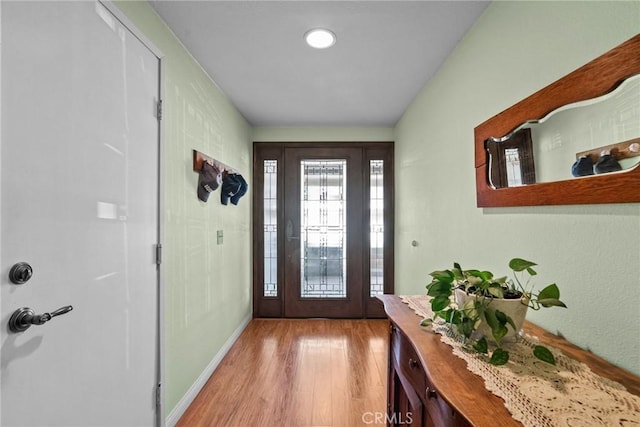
column 80, row 185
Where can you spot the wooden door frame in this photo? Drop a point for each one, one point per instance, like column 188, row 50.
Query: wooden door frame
column 274, row 306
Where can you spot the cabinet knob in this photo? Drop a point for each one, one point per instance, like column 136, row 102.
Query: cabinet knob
column 413, row 363
column 431, row 393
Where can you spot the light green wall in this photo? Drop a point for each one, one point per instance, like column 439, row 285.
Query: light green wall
column 592, row 252
column 324, row 134
column 515, row 49
column 207, row 286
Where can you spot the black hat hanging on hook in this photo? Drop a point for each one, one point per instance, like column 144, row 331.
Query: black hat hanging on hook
column 582, row 167
column 234, row 186
column 607, row 163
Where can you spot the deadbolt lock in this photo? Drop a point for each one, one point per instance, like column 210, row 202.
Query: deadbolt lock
column 20, row 273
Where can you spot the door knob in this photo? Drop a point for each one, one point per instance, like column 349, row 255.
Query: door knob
column 24, row 317
column 20, row 273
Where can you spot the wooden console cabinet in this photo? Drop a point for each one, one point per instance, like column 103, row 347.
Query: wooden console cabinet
column 411, row 398
column 429, row 386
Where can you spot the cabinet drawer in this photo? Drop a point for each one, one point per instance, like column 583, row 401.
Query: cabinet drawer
column 406, row 361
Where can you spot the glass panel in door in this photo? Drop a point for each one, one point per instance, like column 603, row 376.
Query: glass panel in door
column 323, row 244
column 323, row 218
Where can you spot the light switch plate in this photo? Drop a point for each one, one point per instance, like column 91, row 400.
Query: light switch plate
column 220, row 237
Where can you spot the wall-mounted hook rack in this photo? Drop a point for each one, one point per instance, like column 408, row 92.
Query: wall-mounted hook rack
column 199, row 158
column 621, row 150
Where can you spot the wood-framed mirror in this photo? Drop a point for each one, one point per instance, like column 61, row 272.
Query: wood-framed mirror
column 596, row 79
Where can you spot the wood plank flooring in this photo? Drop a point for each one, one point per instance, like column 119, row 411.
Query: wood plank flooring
column 298, row 372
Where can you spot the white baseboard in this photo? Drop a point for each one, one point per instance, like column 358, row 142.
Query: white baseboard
column 190, row 395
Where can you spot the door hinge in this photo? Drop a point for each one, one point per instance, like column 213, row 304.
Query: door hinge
column 158, row 395
column 159, row 109
column 158, row 254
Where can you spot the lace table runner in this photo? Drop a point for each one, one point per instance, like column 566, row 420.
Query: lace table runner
column 539, row 394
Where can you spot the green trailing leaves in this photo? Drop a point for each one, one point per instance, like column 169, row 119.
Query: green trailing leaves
column 499, row 332
column 426, row 322
column 544, row 354
column 470, row 308
column 502, row 318
column 485, row 275
column 550, row 297
column 466, row 326
column 439, row 303
column 551, row 303
column 551, row 291
column 442, row 276
column 454, row 316
column 519, row 264
column 495, row 289
column 481, row 346
column 440, row 289
column 499, row 357
column 497, row 323
column 457, row 272
column 491, row 318
column 512, row 323
column 436, row 289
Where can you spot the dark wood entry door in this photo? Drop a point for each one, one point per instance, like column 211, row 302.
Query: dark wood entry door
column 323, row 229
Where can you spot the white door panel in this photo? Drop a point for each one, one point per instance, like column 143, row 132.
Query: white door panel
column 80, row 205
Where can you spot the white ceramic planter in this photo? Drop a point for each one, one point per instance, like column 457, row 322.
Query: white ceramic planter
column 514, row 308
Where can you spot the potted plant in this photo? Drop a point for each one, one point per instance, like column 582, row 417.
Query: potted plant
column 483, row 308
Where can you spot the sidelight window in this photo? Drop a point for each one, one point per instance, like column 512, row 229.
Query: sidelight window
column 376, row 227
column 270, row 206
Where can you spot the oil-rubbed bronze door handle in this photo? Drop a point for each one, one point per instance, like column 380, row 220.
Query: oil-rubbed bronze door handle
column 24, row 317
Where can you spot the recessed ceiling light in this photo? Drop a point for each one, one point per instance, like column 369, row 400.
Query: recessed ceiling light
column 320, row 38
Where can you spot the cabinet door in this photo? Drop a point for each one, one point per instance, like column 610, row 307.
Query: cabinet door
column 407, row 408
column 441, row 412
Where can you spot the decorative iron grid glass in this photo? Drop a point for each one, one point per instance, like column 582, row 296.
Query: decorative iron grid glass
column 270, row 228
column 376, row 227
column 514, row 173
column 323, row 263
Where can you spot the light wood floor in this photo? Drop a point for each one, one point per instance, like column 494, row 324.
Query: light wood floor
column 298, row 372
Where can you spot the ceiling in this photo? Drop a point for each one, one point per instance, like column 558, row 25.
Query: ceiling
column 385, row 53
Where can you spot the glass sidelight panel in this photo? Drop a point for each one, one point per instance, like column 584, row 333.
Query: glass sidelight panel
column 323, row 263
column 376, row 227
column 270, row 286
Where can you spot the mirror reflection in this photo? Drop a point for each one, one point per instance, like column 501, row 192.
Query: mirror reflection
column 592, row 137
